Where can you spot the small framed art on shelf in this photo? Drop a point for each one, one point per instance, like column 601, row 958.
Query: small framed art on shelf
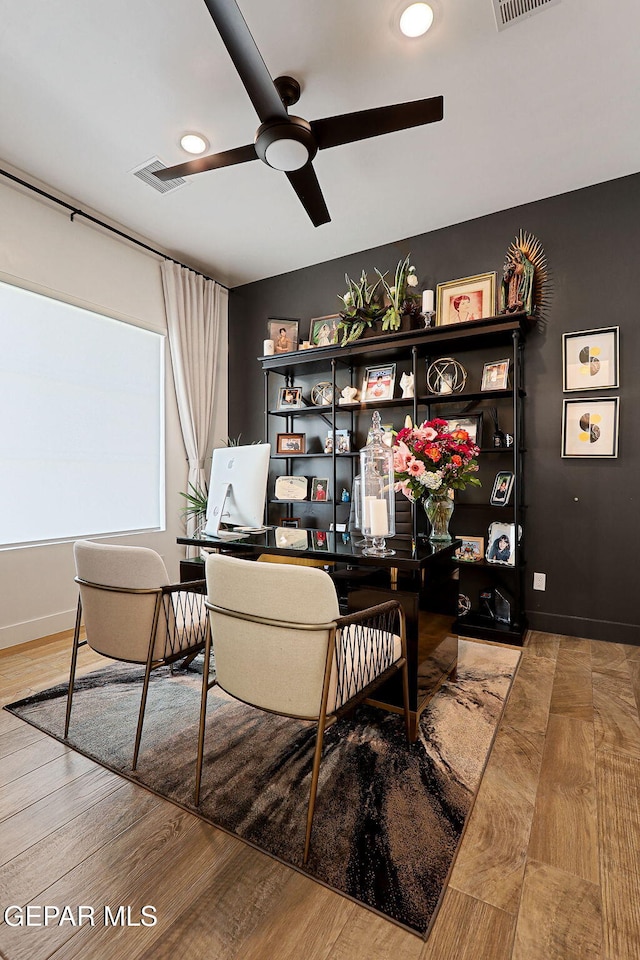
column 284, row 333
column 502, row 487
column 289, row 398
column 290, row 443
column 378, row 383
column 495, row 376
column 472, row 549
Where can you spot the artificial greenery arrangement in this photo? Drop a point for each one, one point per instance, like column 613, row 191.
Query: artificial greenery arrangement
column 400, row 300
column 364, row 303
column 361, row 308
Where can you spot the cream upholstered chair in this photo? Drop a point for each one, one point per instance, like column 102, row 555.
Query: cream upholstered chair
column 132, row 613
column 281, row 645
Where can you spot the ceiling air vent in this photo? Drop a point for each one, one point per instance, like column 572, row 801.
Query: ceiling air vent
column 146, row 171
column 509, row 12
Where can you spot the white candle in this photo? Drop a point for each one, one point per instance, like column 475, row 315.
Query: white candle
column 379, row 519
column 427, row 301
column 268, row 348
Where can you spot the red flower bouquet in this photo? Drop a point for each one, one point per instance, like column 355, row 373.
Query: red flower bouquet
column 431, row 460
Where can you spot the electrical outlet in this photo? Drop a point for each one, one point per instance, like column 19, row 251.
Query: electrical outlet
column 539, row 581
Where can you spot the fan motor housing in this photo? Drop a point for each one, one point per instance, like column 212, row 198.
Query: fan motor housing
column 285, row 137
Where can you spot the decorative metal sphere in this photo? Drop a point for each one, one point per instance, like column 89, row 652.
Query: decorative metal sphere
column 446, row 375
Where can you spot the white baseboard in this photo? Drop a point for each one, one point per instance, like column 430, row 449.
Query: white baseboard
column 34, row 629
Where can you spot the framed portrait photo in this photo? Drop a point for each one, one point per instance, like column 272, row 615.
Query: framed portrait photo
column 472, row 424
column 378, row 383
column 472, row 549
column 462, row 301
column 591, row 359
column 495, row 376
column 502, row 487
column 502, row 544
column 289, row 398
column 284, row 333
column 290, row 443
column 320, row 489
column 590, row 427
column 323, row 331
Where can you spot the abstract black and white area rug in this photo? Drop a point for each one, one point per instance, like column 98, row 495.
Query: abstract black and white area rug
column 389, row 816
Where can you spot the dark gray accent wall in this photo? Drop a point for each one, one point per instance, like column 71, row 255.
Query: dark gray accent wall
column 583, row 522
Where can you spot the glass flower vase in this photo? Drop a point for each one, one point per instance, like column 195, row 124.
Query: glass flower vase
column 439, row 507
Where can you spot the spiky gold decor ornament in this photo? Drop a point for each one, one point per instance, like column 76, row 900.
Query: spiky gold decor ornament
column 525, row 278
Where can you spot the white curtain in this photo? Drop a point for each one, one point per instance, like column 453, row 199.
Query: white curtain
column 196, row 312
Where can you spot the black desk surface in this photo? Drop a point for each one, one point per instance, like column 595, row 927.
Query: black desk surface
column 330, row 546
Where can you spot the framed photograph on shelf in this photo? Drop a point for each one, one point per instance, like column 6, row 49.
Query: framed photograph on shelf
column 323, row 331
column 289, row 398
column 343, row 441
column 319, row 540
column 284, row 333
column 320, row 488
column 502, row 487
column 502, row 544
column 293, row 522
column 461, row 301
column 590, row 427
column 472, row 424
column 378, row 383
column 472, row 549
column 495, row 376
column 591, row 359
column 290, row 443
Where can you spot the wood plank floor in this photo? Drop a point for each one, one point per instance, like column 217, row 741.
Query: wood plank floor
column 549, row 868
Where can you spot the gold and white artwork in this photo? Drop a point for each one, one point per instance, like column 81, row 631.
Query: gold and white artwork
column 590, row 359
column 590, row 428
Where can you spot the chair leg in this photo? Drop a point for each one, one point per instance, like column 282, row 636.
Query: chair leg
column 314, row 784
column 143, row 705
column 405, row 700
column 203, row 713
column 74, row 661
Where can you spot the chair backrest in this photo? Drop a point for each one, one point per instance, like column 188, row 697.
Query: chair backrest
column 118, row 623
column 271, row 665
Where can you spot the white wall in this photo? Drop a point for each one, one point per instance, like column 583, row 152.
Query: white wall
column 41, row 248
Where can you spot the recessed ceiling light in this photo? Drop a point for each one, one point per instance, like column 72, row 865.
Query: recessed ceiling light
column 416, row 19
column 194, row 143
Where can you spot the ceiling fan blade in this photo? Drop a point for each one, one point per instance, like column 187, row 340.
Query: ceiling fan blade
column 247, row 59
column 349, row 127
column 305, row 183
column 227, row 158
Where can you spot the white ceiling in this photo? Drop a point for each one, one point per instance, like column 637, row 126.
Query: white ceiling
column 89, row 91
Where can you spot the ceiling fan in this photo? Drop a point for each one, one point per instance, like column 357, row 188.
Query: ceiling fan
column 286, row 142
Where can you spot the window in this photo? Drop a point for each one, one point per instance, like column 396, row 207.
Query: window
column 82, row 413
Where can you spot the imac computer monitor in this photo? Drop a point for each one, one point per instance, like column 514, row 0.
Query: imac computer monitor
column 238, row 488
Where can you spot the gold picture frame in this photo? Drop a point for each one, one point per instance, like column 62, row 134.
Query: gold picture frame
column 466, row 300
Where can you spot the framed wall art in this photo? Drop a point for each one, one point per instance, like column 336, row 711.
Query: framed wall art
column 461, row 301
column 591, row 359
column 284, row 333
column 590, row 427
column 379, row 383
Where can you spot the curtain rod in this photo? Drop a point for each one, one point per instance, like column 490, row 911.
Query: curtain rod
column 76, row 212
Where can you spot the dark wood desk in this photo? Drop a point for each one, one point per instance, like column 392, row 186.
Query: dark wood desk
column 420, row 576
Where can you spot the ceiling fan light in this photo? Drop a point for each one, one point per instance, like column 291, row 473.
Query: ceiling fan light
column 286, row 154
column 194, row 143
column 416, row 19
